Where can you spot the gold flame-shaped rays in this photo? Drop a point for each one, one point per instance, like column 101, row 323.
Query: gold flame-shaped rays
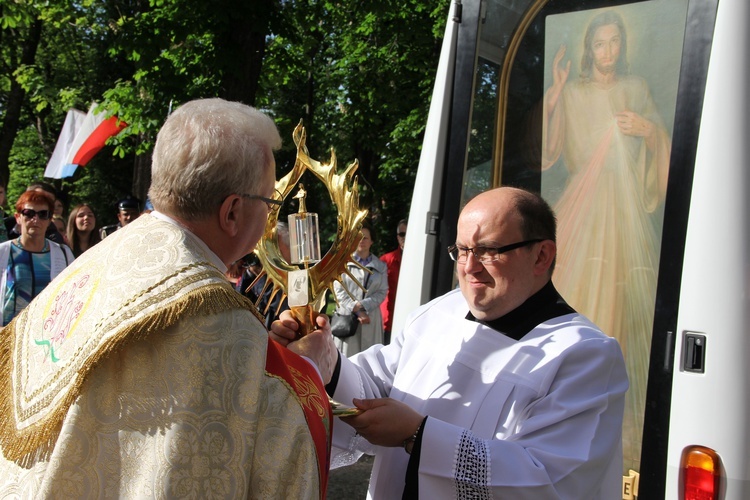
column 344, row 193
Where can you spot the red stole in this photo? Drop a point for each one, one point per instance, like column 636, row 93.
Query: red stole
column 311, row 394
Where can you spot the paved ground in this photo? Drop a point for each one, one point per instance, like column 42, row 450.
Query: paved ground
column 350, row 483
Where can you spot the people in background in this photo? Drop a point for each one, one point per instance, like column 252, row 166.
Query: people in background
column 234, row 272
column 59, row 222
column 30, row 261
column 14, row 230
column 145, row 373
column 82, row 230
column 60, row 204
column 373, row 275
column 251, row 269
column 393, row 263
column 128, row 210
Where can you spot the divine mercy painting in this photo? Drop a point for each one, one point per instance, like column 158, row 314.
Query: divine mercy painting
column 611, row 78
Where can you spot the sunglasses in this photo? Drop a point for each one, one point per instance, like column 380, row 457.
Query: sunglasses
column 401, row 234
column 30, row 213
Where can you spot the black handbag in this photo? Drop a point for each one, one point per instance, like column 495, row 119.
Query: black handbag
column 343, row 326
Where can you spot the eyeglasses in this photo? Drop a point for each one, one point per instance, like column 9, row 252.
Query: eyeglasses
column 485, row 254
column 270, row 202
column 402, row 234
column 30, row 213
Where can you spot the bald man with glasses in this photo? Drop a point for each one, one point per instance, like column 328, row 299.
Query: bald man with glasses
column 498, row 389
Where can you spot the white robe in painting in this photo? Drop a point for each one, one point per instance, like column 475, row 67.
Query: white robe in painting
column 610, row 219
column 530, row 419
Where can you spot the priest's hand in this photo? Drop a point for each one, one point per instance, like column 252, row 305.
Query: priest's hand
column 284, row 329
column 318, row 345
column 384, row 421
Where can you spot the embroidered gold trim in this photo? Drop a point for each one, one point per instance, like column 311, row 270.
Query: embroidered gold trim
column 308, row 393
column 36, row 442
column 129, row 309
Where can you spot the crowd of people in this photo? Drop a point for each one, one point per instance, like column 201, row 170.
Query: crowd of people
column 37, row 242
column 141, row 372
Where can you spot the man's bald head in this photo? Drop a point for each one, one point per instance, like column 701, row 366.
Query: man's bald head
column 493, row 279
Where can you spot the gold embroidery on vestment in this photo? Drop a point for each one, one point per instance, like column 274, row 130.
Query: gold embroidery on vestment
column 26, row 442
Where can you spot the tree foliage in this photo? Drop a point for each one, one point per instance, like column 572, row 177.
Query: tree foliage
column 358, row 75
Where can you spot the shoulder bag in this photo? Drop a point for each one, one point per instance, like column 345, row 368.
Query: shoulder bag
column 344, row 325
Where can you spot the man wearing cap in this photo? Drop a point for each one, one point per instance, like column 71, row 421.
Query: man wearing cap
column 128, row 210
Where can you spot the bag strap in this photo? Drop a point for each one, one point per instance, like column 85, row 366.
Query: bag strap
column 367, row 280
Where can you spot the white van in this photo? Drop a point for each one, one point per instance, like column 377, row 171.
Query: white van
column 639, row 137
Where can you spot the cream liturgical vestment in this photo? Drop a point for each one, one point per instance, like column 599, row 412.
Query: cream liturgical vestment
column 141, row 373
column 534, row 418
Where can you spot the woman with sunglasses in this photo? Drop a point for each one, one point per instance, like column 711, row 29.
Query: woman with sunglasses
column 82, row 231
column 30, row 261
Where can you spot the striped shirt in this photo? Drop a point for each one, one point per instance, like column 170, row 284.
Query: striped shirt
column 27, row 274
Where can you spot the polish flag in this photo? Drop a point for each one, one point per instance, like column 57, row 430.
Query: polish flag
column 81, row 137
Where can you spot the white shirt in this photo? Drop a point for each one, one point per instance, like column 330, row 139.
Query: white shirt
column 535, row 418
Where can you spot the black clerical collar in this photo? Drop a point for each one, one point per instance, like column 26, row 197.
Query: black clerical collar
column 540, row 307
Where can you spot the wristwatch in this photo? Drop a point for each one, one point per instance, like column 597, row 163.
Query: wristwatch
column 409, row 442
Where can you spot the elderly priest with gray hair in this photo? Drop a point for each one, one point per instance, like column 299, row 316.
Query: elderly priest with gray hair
column 140, row 372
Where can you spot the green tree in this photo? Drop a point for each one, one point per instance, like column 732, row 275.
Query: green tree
column 20, row 33
column 358, row 74
column 70, row 68
column 361, row 74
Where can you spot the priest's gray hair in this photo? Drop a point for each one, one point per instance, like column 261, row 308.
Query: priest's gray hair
column 207, row 150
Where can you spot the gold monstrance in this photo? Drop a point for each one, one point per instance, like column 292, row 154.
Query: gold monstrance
column 305, row 280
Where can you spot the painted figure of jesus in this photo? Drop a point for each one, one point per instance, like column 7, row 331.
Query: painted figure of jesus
column 605, row 127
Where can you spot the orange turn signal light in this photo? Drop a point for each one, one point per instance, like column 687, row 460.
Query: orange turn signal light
column 701, row 474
